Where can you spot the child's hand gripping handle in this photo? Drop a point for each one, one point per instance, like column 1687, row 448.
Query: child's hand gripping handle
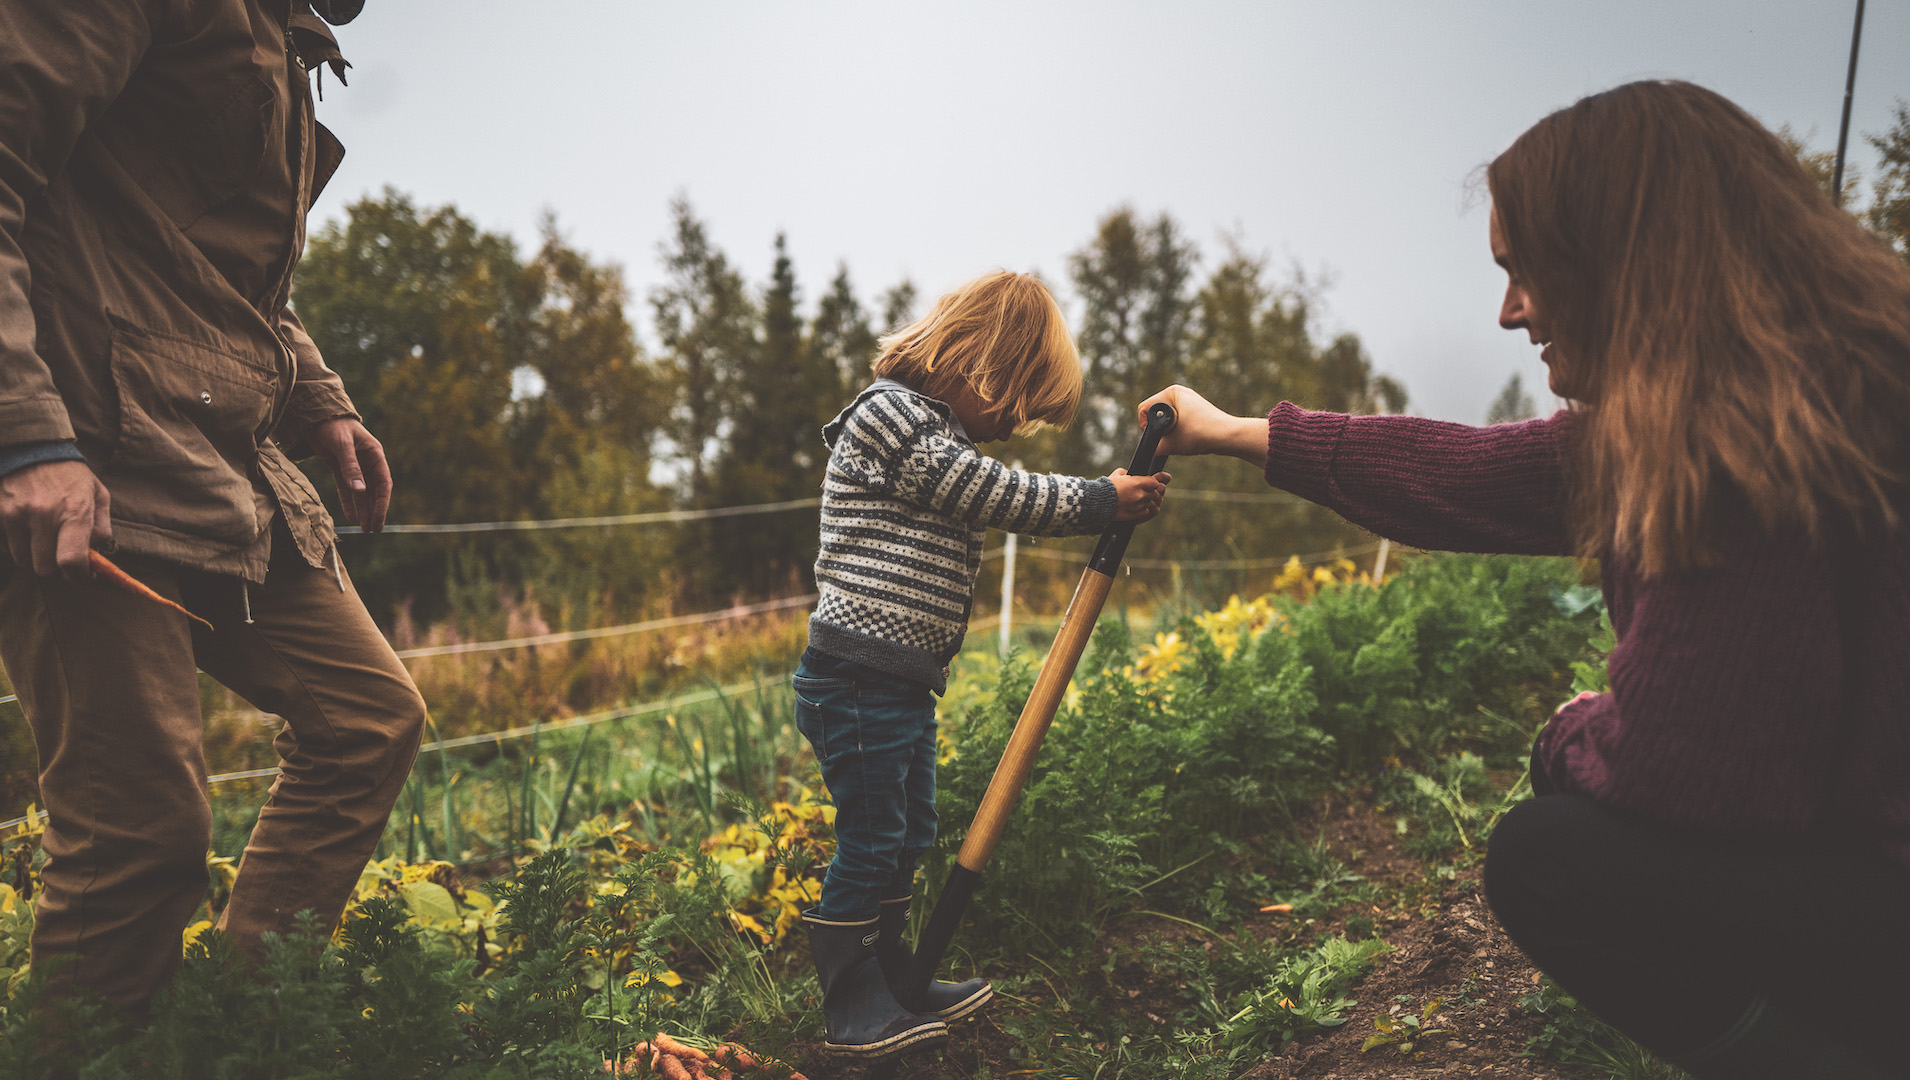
column 1113, row 546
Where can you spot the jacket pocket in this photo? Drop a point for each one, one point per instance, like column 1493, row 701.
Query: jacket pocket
column 186, row 443
column 192, row 151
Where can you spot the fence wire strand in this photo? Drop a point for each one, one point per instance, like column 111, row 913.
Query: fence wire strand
column 1030, row 551
column 608, row 631
column 659, row 517
column 650, row 518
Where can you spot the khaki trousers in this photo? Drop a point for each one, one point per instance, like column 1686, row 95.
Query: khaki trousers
column 106, row 679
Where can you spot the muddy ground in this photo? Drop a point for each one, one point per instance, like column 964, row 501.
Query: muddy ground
column 1446, row 947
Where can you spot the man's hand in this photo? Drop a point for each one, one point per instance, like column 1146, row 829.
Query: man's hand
column 1137, row 498
column 53, row 514
column 1202, row 428
column 358, row 465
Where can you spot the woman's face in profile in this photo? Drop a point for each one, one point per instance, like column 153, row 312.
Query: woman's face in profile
column 1519, row 311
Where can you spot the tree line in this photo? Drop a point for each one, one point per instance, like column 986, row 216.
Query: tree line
column 511, row 385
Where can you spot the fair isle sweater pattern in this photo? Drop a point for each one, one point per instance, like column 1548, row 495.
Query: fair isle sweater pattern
column 906, row 504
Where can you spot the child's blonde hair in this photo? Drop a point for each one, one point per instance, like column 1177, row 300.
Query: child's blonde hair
column 1003, row 337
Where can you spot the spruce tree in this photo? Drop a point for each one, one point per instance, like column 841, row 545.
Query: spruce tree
column 705, row 323
column 1513, row 403
column 772, row 418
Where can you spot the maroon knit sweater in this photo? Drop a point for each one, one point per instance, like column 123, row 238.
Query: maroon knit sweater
column 1767, row 696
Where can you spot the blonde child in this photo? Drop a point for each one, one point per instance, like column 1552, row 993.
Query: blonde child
column 905, row 506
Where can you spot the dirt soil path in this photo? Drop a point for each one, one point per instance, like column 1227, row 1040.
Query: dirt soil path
column 1449, row 949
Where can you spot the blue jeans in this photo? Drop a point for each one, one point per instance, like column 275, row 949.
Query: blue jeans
column 874, row 735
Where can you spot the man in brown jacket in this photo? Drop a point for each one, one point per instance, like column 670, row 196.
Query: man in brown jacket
column 157, row 158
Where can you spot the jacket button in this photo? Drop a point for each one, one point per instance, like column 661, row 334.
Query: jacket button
column 205, row 396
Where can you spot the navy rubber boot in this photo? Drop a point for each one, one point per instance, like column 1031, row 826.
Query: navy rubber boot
column 861, row 1016
column 950, row 1001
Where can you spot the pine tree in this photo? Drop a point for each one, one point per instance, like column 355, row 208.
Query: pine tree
column 1132, row 279
column 840, row 339
column 1889, row 213
column 705, row 323
column 1513, row 403
column 773, row 422
column 898, row 306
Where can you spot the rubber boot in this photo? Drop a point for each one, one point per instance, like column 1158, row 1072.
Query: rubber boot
column 861, row 1016
column 950, row 1001
column 1770, row 1043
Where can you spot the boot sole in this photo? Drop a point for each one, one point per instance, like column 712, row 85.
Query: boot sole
column 963, row 1009
column 894, row 1044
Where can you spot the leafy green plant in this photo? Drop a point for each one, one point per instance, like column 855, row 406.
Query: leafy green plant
column 1303, row 995
column 1412, row 669
column 1403, row 1029
column 1594, row 675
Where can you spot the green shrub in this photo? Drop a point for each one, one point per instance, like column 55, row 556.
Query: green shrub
column 1420, row 666
column 1158, row 785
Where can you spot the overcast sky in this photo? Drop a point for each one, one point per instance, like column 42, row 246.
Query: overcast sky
column 939, row 141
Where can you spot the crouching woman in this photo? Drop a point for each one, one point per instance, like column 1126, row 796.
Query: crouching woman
column 1718, row 858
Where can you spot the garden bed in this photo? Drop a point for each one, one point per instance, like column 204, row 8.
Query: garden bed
column 1249, row 849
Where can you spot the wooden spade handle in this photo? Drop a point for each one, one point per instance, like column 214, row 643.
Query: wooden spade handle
column 1070, row 641
column 1018, row 760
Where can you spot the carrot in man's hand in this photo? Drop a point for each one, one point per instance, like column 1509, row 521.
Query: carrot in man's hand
column 103, row 568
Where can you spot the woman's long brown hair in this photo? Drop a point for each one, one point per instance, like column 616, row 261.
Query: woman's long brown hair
column 1720, row 326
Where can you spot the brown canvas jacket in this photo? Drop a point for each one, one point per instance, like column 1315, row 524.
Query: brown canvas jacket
column 157, row 159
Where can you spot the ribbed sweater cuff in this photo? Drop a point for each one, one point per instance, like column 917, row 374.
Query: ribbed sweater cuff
column 1301, row 445
column 15, row 458
column 1098, row 504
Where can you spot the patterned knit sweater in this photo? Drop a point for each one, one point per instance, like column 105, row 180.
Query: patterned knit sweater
column 906, row 504
column 1766, row 696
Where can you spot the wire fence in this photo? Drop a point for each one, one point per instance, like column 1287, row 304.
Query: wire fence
column 609, row 631
column 664, row 517
column 1313, row 559
column 787, row 602
column 655, row 517
column 734, row 612
column 1210, row 495
column 542, row 727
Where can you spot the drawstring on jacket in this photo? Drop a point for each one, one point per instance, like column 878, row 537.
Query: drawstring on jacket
column 338, row 569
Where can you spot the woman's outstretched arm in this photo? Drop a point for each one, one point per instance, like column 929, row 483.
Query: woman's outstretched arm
column 1427, row 483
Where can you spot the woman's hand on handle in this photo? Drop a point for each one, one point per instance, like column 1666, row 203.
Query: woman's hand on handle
column 1201, row 428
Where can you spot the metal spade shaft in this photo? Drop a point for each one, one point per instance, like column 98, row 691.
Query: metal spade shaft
column 1018, row 760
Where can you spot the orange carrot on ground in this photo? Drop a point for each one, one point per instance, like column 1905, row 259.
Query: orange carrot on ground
column 674, row 1070
column 103, row 568
column 732, row 1054
column 633, row 1058
column 682, row 1050
column 1276, row 909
